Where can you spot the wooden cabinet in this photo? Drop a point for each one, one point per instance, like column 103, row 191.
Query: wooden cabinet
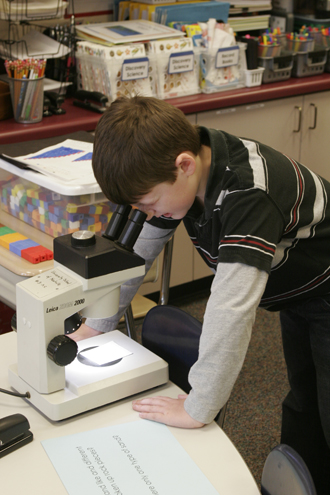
column 315, row 137
column 297, row 126
column 272, row 122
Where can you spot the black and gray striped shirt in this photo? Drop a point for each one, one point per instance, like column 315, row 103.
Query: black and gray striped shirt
column 265, row 210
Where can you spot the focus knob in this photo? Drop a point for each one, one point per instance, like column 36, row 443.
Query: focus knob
column 62, row 350
column 83, row 238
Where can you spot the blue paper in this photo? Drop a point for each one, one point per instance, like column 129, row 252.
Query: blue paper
column 192, row 12
column 140, row 458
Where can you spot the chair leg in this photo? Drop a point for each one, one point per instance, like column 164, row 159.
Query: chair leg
column 164, row 289
column 221, row 416
column 166, row 273
column 130, row 326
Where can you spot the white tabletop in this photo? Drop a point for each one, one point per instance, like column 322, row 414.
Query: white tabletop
column 28, row 470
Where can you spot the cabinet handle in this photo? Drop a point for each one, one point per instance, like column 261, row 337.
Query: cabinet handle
column 299, row 121
column 315, row 116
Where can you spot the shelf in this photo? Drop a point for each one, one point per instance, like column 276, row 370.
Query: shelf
column 79, row 119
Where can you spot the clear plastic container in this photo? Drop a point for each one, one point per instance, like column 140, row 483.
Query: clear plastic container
column 214, row 78
column 57, row 209
column 177, row 74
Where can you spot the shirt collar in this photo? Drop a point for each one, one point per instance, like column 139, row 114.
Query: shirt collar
column 219, row 159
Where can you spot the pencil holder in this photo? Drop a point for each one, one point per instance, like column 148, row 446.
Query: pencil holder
column 273, row 50
column 27, row 98
column 280, row 39
column 326, row 40
column 300, row 45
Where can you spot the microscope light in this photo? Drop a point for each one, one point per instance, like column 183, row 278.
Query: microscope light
column 105, row 354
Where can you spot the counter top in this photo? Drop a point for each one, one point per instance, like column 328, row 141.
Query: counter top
column 76, row 119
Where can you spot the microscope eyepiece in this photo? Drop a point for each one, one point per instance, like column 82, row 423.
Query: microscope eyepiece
column 132, row 229
column 117, row 222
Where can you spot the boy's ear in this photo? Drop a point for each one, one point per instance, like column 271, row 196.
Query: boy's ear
column 186, row 162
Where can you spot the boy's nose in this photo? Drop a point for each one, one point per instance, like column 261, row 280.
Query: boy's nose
column 150, row 213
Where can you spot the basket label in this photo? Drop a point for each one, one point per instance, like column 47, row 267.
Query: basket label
column 135, row 68
column 226, row 57
column 181, row 62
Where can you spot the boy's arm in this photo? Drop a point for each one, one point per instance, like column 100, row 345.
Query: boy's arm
column 149, row 245
column 229, row 316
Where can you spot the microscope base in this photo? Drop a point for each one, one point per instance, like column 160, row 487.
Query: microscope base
column 91, row 386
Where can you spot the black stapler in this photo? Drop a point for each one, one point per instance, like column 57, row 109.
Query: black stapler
column 56, row 100
column 85, row 99
column 14, row 433
column 47, row 104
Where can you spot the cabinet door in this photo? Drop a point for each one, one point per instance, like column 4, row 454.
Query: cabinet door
column 315, row 142
column 274, row 123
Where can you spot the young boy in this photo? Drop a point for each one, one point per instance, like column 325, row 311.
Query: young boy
column 261, row 221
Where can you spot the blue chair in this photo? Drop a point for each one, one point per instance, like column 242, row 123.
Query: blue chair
column 174, row 335
column 285, row 473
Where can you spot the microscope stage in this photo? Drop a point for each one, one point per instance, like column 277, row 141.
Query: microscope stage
column 93, row 380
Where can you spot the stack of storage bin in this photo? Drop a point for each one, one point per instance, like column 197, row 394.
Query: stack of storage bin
column 276, row 60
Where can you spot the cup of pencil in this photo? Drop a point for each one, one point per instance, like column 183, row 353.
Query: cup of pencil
column 26, row 83
column 268, row 47
column 326, row 37
column 297, row 42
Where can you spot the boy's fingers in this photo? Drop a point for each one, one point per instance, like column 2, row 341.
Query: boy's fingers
column 165, row 410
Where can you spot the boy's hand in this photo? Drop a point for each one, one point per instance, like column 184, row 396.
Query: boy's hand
column 83, row 332
column 166, row 410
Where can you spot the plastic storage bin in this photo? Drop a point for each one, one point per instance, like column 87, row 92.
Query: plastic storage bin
column 310, row 63
column 116, row 70
column 57, row 209
column 253, row 77
column 326, row 43
column 277, row 68
column 222, row 69
column 176, row 67
column 174, row 82
column 130, row 77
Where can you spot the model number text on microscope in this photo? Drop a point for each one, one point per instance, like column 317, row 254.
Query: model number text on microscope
column 65, row 305
column 79, row 301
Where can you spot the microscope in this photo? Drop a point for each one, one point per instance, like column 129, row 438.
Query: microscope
column 60, row 377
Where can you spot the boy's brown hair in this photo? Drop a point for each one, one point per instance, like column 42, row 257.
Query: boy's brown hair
column 137, row 141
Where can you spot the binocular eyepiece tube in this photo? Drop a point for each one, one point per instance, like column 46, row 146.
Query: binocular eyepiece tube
column 125, row 226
